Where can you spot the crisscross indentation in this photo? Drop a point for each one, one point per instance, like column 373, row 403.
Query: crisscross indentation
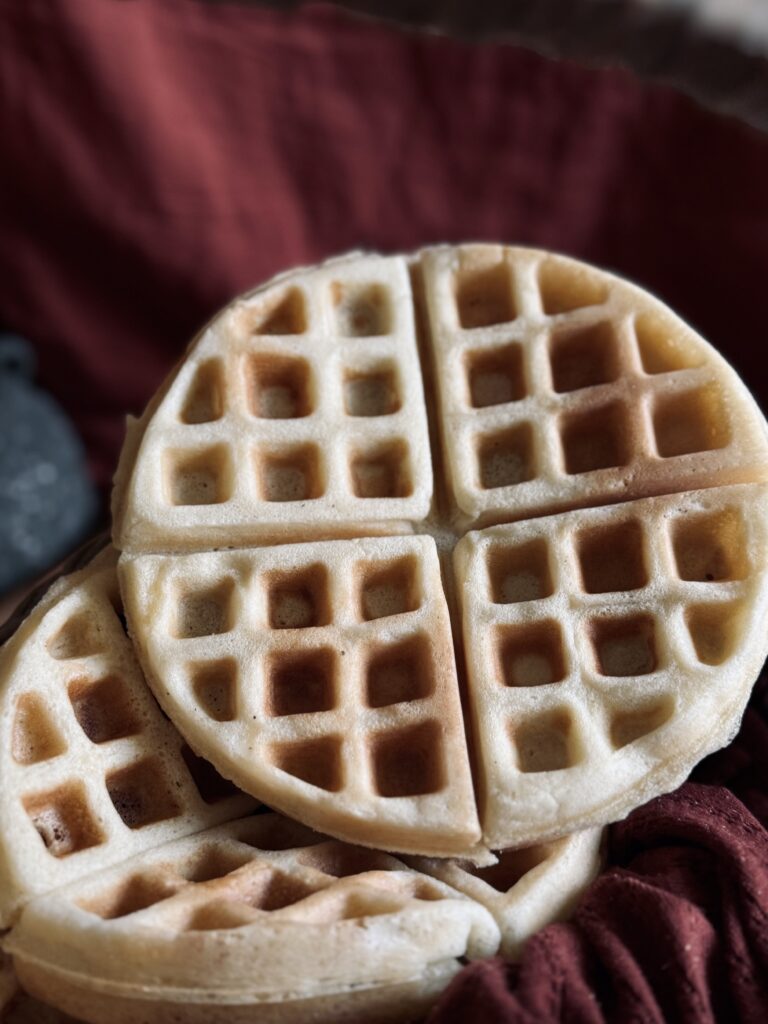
column 561, row 386
column 335, row 680
column 232, row 877
column 588, row 633
column 302, row 407
column 96, row 767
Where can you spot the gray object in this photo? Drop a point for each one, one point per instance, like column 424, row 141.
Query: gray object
column 47, row 501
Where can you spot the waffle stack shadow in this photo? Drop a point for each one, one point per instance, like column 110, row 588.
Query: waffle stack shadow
column 436, row 555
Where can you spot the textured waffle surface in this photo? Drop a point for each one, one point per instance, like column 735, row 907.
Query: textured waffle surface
column 301, row 406
column 527, row 888
column 586, row 638
column 317, row 916
column 322, row 675
column 561, row 386
column 92, row 771
column 596, row 468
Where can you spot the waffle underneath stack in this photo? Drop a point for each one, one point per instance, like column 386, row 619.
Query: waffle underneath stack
column 122, row 901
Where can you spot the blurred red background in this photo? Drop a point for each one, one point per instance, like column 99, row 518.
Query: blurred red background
column 160, row 157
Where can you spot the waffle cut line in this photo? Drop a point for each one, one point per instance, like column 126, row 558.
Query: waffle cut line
column 301, row 409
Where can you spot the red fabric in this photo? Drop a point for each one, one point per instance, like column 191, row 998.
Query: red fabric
column 160, row 156
column 676, row 930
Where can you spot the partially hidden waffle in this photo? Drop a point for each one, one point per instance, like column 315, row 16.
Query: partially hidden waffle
column 599, row 470
column 528, row 887
column 91, row 770
column 255, row 921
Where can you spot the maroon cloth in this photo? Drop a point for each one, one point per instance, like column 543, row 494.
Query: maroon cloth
column 674, row 930
column 160, row 156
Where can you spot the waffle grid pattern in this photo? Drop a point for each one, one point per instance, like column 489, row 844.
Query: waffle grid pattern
column 587, row 634
column 333, row 358
column 228, row 882
column 344, row 681
column 92, row 765
column 557, row 383
column 284, row 890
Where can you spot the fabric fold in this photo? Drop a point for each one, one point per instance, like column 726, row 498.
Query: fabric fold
column 676, row 928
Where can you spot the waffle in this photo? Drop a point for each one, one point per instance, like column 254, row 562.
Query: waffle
column 608, row 650
column 91, row 771
column 558, row 401
column 299, row 409
column 321, row 676
column 526, row 888
column 561, row 386
column 257, row 920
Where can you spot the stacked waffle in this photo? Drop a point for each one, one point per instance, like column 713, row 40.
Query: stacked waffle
column 455, row 558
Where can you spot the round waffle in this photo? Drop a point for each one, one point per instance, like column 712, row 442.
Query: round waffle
column 599, row 470
column 91, row 771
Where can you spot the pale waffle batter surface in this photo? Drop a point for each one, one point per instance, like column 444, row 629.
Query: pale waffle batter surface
column 478, row 492
column 255, row 921
column 262, row 920
column 91, row 771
